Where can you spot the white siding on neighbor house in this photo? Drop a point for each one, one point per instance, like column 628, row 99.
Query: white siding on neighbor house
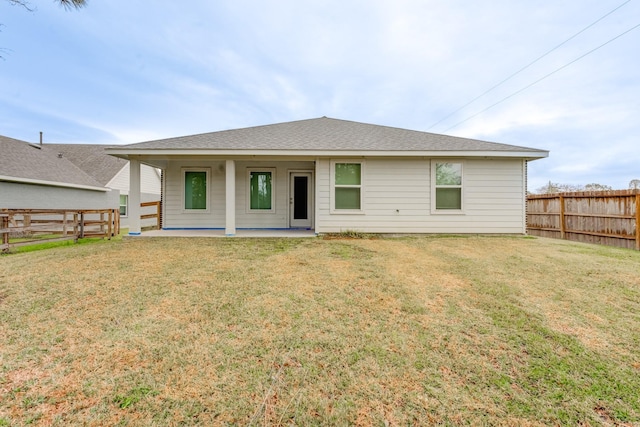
column 31, row 196
column 397, row 198
column 149, row 187
column 176, row 217
column 149, row 181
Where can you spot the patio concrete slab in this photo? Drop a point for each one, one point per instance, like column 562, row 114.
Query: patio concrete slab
column 220, row 233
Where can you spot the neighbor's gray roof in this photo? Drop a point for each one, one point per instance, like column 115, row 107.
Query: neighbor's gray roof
column 20, row 159
column 324, row 134
column 91, row 158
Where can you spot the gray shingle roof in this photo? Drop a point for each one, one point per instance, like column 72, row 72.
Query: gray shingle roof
column 20, row 159
column 324, row 134
column 91, row 158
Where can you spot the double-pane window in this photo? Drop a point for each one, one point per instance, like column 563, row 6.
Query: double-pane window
column 124, row 201
column 348, row 186
column 448, row 185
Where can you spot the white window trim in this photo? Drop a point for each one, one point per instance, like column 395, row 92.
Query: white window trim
column 126, row 206
column 332, row 193
column 435, row 211
column 207, row 171
column 273, row 191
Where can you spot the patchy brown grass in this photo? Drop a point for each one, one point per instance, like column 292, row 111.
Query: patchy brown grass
column 429, row 330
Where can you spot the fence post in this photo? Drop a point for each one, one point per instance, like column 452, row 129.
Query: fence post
column 159, row 215
column 562, row 224
column 637, row 221
column 26, row 223
column 75, row 227
column 5, row 234
column 82, row 225
column 109, row 227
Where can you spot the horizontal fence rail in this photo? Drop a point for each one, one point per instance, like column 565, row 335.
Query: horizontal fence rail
column 605, row 217
column 157, row 214
column 22, row 227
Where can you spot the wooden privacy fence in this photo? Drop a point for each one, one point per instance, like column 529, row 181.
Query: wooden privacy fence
column 605, row 217
column 21, row 227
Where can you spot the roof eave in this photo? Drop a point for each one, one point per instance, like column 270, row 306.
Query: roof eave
column 52, row 183
column 126, row 153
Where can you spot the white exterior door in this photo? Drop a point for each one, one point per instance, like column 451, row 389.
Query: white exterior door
column 300, row 200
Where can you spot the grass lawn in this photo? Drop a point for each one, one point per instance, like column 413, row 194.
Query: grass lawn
column 407, row 331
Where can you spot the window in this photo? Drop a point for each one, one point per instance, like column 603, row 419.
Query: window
column 124, row 202
column 447, row 178
column 195, row 189
column 261, row 190
column 347, row 186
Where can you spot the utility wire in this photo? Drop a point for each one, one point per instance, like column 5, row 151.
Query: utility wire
column 542, row 78
column 526, row 66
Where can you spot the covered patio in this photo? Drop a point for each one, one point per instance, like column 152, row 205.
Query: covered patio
column 228, row 197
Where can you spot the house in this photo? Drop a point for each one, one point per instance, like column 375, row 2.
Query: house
column 67, row 176
column 34, row 178
column 111, row 172
column 334, row 175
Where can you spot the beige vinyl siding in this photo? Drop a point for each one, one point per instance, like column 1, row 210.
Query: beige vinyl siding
column 279, row 218
column 397, row 198
column 175, row 215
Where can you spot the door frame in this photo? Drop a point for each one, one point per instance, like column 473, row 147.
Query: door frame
column 310, row 198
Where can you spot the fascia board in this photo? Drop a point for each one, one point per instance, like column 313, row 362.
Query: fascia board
column 327, row 153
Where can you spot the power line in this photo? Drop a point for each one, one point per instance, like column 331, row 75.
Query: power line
column 542, row 78
column 527, row 66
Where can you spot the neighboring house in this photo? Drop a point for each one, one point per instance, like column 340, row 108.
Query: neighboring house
column 334, row 175
column 34, row 178
column 111, row 172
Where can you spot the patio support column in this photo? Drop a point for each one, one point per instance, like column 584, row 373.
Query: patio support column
column 230, row 198
column 316, row 196
column 134, row 198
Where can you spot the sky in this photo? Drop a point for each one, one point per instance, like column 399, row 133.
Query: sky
column 122, row 71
